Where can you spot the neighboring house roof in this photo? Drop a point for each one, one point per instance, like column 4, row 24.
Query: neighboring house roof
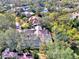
column 30, row 37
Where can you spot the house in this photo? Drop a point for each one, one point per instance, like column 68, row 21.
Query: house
column 35, row 35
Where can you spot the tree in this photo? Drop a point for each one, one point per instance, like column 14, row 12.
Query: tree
column 10, row 37
column 2, row 41
column 59, row 50
column 7, row 21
